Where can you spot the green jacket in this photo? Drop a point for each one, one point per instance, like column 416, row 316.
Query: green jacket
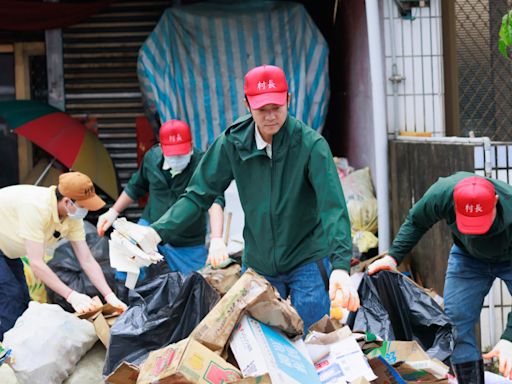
column 164, row 191
column 437, row 204
column 295, row 212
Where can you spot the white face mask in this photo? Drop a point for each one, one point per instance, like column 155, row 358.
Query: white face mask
column 176, row 163
column 79, row 213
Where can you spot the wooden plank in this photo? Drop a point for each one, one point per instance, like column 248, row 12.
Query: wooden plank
column 451, row 78
column 22, row 89
column 6, row 48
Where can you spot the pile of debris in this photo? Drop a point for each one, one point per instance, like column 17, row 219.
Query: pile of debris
column 217, row 327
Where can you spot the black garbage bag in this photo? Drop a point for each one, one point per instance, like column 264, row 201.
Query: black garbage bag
column 395, row 308
column 150, row 273
column 161, row 312
column 65, row 264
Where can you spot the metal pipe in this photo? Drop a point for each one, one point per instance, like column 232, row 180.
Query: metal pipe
column 380, row 139
column 45, row 171
column 395, row 78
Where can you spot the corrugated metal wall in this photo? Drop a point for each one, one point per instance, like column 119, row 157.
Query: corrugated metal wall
column 100, row 58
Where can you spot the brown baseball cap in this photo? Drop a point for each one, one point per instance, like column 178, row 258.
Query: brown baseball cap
column 79, row 187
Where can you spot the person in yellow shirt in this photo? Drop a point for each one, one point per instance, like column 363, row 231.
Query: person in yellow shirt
column 33, row 218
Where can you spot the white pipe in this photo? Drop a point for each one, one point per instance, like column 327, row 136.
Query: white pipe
column 485, row 141
column 45, row 171
column 380, row 139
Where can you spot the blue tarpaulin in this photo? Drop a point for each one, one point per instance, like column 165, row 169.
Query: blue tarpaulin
column 192, row 65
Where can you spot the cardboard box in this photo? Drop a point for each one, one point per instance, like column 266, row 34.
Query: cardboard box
column 102, row 317
column 222, row 279
column 385, row 373
column 254, row 294
column 344, row 363
column 416, row 358
column 102, row 329
column 125, row 373
column 186, row 362
column 261, row 349
column 394, row 351
column 360, row 380
column 336, row 354
column 265, row 379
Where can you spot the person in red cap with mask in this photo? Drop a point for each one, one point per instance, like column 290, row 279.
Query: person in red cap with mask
column 297, row 227
column 165, row 172
column 478, row 211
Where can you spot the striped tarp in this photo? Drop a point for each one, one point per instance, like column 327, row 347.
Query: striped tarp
column 192, row 65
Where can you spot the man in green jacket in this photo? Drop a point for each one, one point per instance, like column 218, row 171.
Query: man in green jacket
column 478, row 211
column 296, row 221
column 165, row 173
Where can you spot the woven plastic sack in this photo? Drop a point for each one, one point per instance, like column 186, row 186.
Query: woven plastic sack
column 47, row 343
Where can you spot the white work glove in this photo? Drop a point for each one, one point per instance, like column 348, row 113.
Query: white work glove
column 503, row 351
column 105, row 221
column 217, row 253
column 81, row 303
column 112, row 299
column 340, row 281
column 387, row 263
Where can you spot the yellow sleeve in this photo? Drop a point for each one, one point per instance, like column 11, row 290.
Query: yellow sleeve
column 76, row 230
column 31, row 224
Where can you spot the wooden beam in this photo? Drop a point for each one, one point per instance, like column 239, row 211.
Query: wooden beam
column 451, row 76
column 22, row 89
column 6, row 48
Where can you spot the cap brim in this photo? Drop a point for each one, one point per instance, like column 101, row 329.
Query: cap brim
column 259, row 101
column 177, row 149
column 474, row 225
column 92, row 203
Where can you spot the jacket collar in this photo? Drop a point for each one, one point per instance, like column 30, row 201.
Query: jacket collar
column 242, row 134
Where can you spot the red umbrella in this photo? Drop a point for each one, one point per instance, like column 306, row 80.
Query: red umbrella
column 63, row 137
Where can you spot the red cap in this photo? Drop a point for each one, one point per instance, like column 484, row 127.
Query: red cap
column 265, row 85
column 175, row 138
column 475, row 199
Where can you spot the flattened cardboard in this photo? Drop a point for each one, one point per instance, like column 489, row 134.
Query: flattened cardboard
column 264, row 379
column 385, row 373
column 102, row 329
column 261, row 349
column 186, row 362
column 125, row 373
column 254, row 294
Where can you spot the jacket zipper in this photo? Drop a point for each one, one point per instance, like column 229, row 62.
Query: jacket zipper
column 274, row 266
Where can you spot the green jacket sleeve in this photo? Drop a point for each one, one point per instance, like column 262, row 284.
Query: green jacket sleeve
column 211, row 177
column 331, row 205
column 430, row 209
column 221, row 201
column 138, row 185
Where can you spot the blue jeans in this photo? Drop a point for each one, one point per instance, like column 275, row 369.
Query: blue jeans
column 468, row 281
column 180, row 259
column 14, row 297
column 306, row 289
